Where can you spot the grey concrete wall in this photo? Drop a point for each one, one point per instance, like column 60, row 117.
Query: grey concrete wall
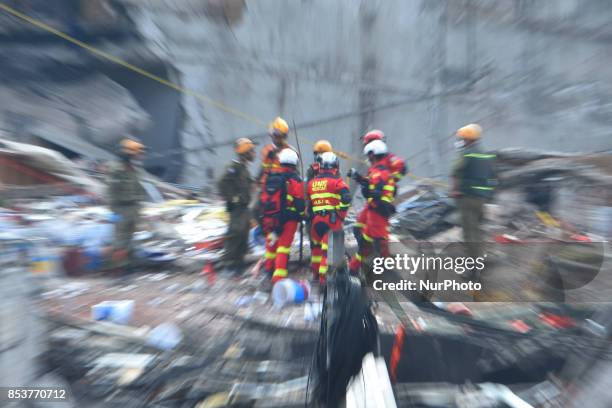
column 533, row 73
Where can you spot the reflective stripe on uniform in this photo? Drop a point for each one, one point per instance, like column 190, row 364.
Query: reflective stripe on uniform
column 358, row 257
column 389, row 188
column 367, row 237
column 289, row 197
column 324, row 246
column 323, row 269
column 323, row 207
column 325, row 195
column 359, row 225
column 387, row 199
column 283, row 250
column 371, row 186
column 316, row 259
column 280, row 272
column 344, row 205
column 269, row 255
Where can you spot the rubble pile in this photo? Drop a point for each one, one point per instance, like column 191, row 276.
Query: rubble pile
column 572, row 187
column 425, row 213
column 76, row 237
column 190, row 342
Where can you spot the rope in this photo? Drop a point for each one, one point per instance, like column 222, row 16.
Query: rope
column 201, row 97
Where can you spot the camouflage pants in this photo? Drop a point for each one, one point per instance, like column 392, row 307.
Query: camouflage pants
column 124, row 233
column 236, row 243
column 472, row 213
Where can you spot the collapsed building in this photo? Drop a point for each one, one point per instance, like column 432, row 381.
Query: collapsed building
column 239, row 55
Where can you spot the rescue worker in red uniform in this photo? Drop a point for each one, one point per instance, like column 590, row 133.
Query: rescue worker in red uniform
column 396, row 165
column 319, row 148
column 278, row 131
column 281, row 209
column 329, row 199
column 378, row 187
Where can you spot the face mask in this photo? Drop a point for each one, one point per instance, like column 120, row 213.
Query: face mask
column 459, row 144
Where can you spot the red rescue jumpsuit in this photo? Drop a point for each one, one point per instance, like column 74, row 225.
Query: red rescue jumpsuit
column 396, row 165
column 398, row 169
column 279, row 240
column 380, row 192
column 329, row 199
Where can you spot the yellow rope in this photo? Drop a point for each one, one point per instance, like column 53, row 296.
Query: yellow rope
column 167, row 83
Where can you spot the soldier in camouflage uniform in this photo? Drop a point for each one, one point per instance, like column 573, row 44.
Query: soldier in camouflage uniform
column 235, row 187
column 125, row 196
column 474, row 182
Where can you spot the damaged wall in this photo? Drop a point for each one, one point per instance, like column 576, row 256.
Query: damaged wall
column 532, row 72
column 76, row 101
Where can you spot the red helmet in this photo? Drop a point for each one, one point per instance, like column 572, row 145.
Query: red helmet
column 373, row 135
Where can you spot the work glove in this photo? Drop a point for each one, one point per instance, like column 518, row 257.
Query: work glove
column 354, row 174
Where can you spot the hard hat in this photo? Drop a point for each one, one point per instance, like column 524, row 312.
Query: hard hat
column 279, row 125
column 243, row 145
column 373, row 135
column 329, row 160
column 322, row 146
column 288, row 156
column 470, row 132
column 131, row 146
column 375, row 147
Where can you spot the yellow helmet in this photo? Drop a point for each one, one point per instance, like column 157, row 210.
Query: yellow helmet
column 279, row 125
column 470, row 132
column 131, row 146
column 243, row 145
column 322, row 146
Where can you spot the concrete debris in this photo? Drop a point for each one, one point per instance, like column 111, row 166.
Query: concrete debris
column 25, row 165
column 423, row 214
column 166, row 336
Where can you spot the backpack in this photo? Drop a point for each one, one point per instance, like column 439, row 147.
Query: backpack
column 273, row 200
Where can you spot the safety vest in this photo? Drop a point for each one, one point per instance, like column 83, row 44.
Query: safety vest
column 328, row 193
column 478, row 177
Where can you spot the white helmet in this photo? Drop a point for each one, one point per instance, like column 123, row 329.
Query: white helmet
column 288, row 156
column 329, row 160
column 375, row 147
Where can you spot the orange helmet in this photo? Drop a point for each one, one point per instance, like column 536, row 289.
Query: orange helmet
column 373, row 135
column 279, row 125
column 322, row 146
column 131, row 146
column 243, row 145
column 470, row 132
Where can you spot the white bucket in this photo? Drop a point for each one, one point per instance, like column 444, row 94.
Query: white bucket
column 288, row 291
